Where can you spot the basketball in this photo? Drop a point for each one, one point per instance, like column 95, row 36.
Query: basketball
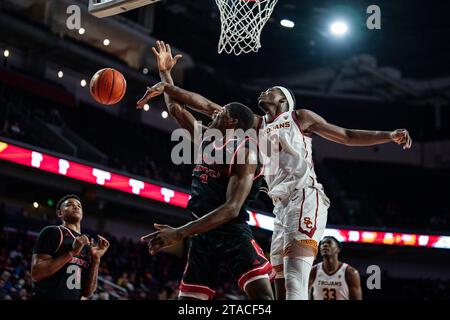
column 108, row 86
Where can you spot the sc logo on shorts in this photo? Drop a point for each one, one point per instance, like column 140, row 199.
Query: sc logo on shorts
column 308, row 223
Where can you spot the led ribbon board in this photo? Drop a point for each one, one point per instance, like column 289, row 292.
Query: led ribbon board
column 109, row 179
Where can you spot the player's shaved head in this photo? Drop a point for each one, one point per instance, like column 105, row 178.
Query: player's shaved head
column 241, row 113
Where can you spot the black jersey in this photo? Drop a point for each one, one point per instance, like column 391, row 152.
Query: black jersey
column 210, row 180
column 66, row 283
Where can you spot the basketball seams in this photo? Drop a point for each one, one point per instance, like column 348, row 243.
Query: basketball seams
column 97, row 93
column 112, row 85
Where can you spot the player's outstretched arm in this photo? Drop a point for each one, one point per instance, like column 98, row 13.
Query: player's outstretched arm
column 184, row 118
column 239, row 187
column 166, row 62
column 194, row 101
column 312, row 122
column 354, row 283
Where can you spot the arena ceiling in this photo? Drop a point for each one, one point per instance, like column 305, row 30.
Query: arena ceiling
column 413, row 37
column 406, row 61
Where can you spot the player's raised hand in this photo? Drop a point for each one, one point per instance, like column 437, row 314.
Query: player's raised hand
column 78, row 244
column 99, row 250
column 163, row 55
column 166, row 236
column 401, row 136
column 152, row 92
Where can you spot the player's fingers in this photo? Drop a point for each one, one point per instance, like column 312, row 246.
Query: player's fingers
column 163, row 46
column 140, row 104
column 154, row 251
column 178, row 57
column 145, row 238
column 155, row 248
column 168, row 49
column 103, row 239
column 160, row 226
column 403, row 139
column 149, row 236
column 155, row 52
column 408, row 140
column 158, row 43
column 103, row 242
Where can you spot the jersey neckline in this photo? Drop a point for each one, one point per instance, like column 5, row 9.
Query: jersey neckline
column 332, row 274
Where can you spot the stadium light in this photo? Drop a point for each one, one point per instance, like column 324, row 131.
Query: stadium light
column 6, row 53
column 81, row 31
column 287, row 23
column 60, row 74
column 339, row 28
column 164, row 114
column 106, row 42
column 35, row 205
column 83, row 83
column 147, row 107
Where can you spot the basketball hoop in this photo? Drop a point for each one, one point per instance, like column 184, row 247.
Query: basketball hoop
column 241, row 24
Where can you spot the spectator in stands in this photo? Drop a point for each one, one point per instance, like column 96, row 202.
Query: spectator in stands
column 2, row 215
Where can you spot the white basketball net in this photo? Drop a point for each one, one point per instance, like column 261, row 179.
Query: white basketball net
column 242, row 22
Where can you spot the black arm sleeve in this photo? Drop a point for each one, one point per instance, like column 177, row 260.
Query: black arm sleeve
column 48, row 240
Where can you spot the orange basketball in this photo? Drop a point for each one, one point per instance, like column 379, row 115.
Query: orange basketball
column 108, row 86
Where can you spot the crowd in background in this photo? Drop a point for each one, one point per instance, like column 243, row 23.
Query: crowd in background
column 127, row 271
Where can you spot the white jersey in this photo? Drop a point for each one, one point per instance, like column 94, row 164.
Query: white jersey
column 330, row 287
column 296, row 168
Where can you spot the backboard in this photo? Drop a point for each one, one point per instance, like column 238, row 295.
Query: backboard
column 106, row 8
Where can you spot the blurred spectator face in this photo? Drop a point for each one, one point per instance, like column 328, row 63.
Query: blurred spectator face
column 163, row 295
column 174, row 295
column 6, row 275
column 23, row 293
column 21, row 283
column 142, row 295
column 103, row 296
column 15, row 127
column 7, row 297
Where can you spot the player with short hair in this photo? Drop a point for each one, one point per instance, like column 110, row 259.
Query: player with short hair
column 332, row 279
column 300, row 203
column 220, row 192
column 65, row 263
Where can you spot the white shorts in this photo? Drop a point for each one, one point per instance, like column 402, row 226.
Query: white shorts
column 301, row 217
